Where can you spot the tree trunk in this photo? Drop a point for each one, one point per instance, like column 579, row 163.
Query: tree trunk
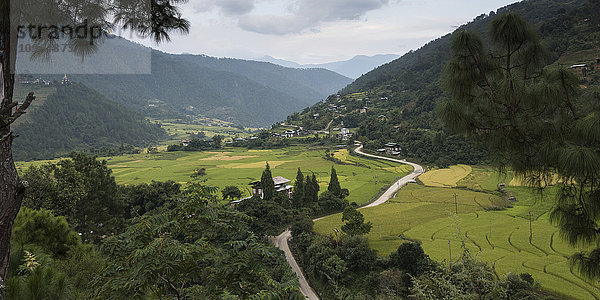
column 11, row 187
column 11, row 194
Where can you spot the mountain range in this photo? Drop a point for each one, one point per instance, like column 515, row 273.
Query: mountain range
column 159, row 85
column 352, row 68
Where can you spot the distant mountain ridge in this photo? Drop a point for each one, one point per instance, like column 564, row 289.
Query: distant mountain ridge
column 352, row 68
column 247, row 92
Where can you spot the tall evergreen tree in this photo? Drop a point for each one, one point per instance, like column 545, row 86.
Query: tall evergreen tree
column 534, row 119
column 267, row 184
column 311, row 190
column 298, row 198
column 334, row 185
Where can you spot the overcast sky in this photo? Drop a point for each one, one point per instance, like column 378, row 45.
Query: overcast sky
column 318, row 31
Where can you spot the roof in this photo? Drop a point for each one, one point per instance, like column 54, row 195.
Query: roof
column 280, row 180
column 391, row 145
column 285, row 188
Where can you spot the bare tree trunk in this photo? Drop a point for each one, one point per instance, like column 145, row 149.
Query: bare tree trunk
column 11, row 187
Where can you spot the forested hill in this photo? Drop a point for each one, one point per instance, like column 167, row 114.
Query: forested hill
column 565, row 26
column 158, row 84
column 72, row 117
column 400, row 96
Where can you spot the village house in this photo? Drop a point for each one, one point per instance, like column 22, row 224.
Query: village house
column 392, row 149
column 185, row 143
column 344, row 134
column 288, row 133
column 281, row 186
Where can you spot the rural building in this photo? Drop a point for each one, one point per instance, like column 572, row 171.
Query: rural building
column 345, row 134
column 281, row 186
column 185, row 143
column 392, row 149
column 288, row 133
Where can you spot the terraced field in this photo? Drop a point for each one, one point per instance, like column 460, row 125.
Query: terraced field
column 446, row 177
column 499, row 237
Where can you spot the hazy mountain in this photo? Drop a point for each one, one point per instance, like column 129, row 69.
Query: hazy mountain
column 248, row 92
column 352, row 68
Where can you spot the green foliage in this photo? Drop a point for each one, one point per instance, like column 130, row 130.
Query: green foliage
column 81, row 189
column 411, row 258
column 51, row 234
column 268, row 217
column 355, row 222
column 77, row 118
column 329, row 203
column 38, row 283
column 196, row 250
column 143, row 198
column 231, row 192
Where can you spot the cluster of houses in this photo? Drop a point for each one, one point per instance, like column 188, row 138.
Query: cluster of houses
column 23, row 80
column 390, row 149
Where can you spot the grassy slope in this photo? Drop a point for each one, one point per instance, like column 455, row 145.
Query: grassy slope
column 428, row 214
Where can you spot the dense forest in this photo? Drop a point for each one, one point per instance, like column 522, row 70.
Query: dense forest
column 396, row 102
column 75, row 117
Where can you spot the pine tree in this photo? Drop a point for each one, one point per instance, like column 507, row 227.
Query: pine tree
column 534, row 119
column 267, row 184
column 334, row 185
column 298, row 197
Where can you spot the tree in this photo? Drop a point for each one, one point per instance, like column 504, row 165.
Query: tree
column 144, row 197
column 195, row 251
column 80, row 188
column 51, row 234
column 217, row 140
column 334, row 185
column 355, row 222
column 311, row 190
column 534, row 119
column 267, row 184
column 231, row 192
column 298, row 197
column 411, row 258
column 154, row 18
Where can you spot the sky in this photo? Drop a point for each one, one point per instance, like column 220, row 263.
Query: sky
column 318, row 31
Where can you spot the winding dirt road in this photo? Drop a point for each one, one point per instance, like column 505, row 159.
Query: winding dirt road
column 281, row 241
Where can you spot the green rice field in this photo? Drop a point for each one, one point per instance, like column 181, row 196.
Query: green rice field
column 499, row 237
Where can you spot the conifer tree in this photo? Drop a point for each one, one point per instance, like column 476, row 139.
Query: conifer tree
column 267, row 184
column 534, row 119
column 298, row 197
column 334, row 185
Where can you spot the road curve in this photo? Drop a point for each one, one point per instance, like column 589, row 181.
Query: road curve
column 281, row 241
column 418, row 170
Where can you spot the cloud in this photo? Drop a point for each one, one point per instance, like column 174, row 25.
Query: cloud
column 308, row 14
column 229, row 7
